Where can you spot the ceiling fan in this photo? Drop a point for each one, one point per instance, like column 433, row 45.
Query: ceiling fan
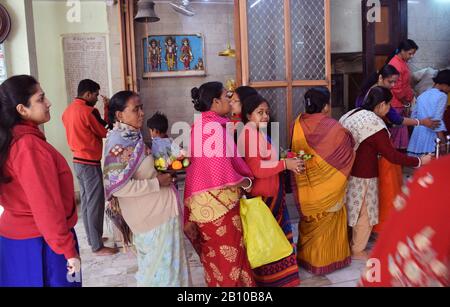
column 5, row 23
column 183, row 7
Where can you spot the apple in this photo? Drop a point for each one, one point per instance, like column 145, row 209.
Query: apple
column 291, row 155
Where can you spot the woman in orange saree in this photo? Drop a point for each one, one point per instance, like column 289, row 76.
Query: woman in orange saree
column 323, row 245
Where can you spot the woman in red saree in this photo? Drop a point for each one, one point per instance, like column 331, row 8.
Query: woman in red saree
column 213, row 190
column 414, row 248
column 262, row 158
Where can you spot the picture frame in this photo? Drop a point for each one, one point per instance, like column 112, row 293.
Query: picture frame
column 173, row 55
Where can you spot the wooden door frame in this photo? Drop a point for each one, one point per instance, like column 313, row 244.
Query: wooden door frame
column 242, row 55
column 128, row 46
column 237, row 39
column 369, row 50
column 241, row 38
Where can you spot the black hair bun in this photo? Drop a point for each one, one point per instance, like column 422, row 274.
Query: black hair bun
column 195, row 94
column 198, row 104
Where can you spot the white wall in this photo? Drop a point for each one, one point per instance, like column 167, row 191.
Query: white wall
column 346, row 29
column 172, row 95
column 429, row 27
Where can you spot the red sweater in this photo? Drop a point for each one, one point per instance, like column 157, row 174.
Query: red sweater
column 39, row 201
column 85, row 130
column 267, row 180
column 366, row 162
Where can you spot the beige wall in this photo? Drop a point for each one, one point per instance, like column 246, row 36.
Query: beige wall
column 346, row 30
column 50, row 24
column 172, row 95
column 19, row 46
column 34, row 47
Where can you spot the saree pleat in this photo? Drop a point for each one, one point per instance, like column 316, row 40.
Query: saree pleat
column 390, row 183
column 324, row 231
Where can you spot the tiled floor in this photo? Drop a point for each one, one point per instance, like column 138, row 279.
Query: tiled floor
column 119, row 270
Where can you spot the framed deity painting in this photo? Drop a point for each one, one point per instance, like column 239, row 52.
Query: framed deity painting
column 174, row 55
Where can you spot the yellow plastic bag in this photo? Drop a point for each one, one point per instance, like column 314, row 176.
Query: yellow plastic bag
column 263, row 237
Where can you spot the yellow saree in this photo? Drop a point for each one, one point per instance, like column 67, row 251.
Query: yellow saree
column 323, row 239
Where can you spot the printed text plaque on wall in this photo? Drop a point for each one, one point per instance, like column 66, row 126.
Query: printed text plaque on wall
column 85, row 57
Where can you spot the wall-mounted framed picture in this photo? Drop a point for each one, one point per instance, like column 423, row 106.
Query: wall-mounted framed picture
column 174, row 55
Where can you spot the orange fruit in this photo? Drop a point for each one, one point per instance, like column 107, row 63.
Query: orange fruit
column 176, row 165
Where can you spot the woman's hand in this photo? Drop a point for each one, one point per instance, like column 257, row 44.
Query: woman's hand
column 191, row 230
column 165, row 180
column 426, row 159
column 295, row 165
column 73, row 265
column 430, row 123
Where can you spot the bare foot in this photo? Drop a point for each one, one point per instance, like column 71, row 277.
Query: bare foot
column 360, row 255
column 106, row 251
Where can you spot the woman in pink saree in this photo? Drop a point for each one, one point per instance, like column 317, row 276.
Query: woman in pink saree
column 214, row 183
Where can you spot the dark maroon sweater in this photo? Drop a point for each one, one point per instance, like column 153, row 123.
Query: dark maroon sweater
column 366, row 162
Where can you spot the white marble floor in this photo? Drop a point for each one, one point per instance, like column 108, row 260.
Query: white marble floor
column 119, row 270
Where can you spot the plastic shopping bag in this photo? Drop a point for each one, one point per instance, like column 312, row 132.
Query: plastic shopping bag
column 264, row 239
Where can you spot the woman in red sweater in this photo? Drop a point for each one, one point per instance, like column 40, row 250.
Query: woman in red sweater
column 255, row 145
column 372, row 139
column 38, row 246
column 402, row 90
